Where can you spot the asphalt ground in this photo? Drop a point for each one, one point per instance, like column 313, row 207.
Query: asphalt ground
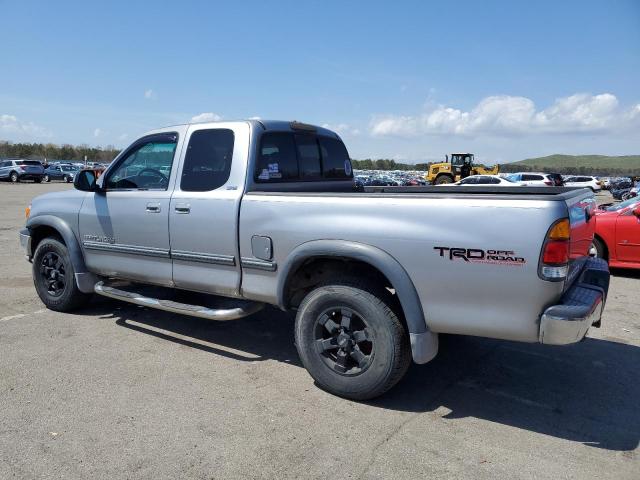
column 119, row 391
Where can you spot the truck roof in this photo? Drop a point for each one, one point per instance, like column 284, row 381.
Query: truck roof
column 266, row 125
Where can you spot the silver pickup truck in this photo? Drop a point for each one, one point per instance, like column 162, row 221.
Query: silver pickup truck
column 250, row 213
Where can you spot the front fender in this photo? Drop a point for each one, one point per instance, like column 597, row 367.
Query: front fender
column 424, row 343
column 84, row 279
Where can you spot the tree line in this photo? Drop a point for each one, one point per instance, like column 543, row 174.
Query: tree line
column 50, row 151
column 387, row 164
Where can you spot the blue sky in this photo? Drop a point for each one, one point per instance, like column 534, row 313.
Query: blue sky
column 409, row 80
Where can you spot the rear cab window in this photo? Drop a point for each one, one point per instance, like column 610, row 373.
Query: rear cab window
column 300, row 157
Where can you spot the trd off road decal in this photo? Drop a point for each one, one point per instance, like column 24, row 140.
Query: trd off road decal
column 477, row 255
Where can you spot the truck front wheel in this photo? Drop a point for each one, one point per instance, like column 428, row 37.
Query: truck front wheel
column 54, row 277
column 351, row 341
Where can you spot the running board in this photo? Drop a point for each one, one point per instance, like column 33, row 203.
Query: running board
column 175, row 307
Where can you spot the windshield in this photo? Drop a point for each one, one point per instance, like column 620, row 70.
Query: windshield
column 621, row 205
column 512, row 178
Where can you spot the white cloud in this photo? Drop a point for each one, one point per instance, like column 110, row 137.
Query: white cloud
column 342, row 129
column 255, row 118
column 16, row 129
column 206, row 117
column 97, row 132
column 150, row 94
column 505, row 115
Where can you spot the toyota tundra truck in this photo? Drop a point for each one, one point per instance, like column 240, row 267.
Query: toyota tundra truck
column 252, row 213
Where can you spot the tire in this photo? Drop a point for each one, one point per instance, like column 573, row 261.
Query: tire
column 54, row 277
column 443, row 179
column 13, row 176
column 351, row 341
column 38, row 180
column 46, row 179
column 598, row 249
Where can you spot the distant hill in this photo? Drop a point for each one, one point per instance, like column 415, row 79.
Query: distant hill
column 579, row 164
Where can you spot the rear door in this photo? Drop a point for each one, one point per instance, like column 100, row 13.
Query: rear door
column 628, row 237
column 203, row 215
column 125, row 228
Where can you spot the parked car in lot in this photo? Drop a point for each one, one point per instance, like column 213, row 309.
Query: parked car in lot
column 18, row 170
column 493, row 180
column 584, row 181
column 265, row 212
column 617, row 235
column 532, row 179
column 64, row 172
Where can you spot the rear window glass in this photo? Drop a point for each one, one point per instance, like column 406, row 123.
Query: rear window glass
column 207, row 163
column 335, row 159
column 28, row 162
column 277, row 160
column 301, row 157
column 308, row 157
column 531, row 177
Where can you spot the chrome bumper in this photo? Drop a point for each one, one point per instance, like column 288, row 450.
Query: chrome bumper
column 580, row 307
column 25, row 242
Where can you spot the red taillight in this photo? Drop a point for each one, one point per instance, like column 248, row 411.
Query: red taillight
column 554, row 261
column 548, row 183
column 23, row 167
column 556, row 252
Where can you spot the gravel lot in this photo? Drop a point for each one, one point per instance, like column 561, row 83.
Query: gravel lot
column 119, row 391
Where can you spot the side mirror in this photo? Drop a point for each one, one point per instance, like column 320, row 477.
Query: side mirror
column 85, row 181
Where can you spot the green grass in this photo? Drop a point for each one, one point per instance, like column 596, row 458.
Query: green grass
column 629, row 164
column 587, row 161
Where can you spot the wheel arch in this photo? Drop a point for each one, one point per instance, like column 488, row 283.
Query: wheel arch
column 607, row 250
column 44, row 226
column 423, row 342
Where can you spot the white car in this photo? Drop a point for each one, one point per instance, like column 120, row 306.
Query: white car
column 587, row 182
column 532, row 179
column 485, row 180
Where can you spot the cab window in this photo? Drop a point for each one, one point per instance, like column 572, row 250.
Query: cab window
column 146, row 165
column 207, row 163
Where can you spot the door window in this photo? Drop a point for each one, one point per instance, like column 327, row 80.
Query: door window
column 207, row 164
column 146, row 166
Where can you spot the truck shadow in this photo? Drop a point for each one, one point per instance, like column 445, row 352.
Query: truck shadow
column 586, row 392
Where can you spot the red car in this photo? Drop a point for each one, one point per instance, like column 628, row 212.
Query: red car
column 617, row 237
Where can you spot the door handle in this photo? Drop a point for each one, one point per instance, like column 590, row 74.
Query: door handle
column 182, row 208
column 153, row 207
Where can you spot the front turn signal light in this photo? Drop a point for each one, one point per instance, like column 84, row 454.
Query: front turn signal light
column 27, row 212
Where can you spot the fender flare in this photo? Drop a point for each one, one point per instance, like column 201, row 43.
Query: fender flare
column 84, row 279
column 424, row 343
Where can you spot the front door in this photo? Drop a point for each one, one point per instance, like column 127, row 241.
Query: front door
column 628, row 237
column 203, row 216
column 124, row 228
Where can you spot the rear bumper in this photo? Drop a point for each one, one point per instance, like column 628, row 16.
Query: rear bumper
column 580, row 307
column 30, row 176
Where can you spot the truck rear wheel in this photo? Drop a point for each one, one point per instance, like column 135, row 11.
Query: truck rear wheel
column 54, row 277
column 443, row 179
column 351, row 341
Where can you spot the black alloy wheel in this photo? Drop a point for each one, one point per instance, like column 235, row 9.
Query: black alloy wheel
column 343, row 341
column 52, row 271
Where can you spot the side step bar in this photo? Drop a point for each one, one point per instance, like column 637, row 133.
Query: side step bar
column 175, row 307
